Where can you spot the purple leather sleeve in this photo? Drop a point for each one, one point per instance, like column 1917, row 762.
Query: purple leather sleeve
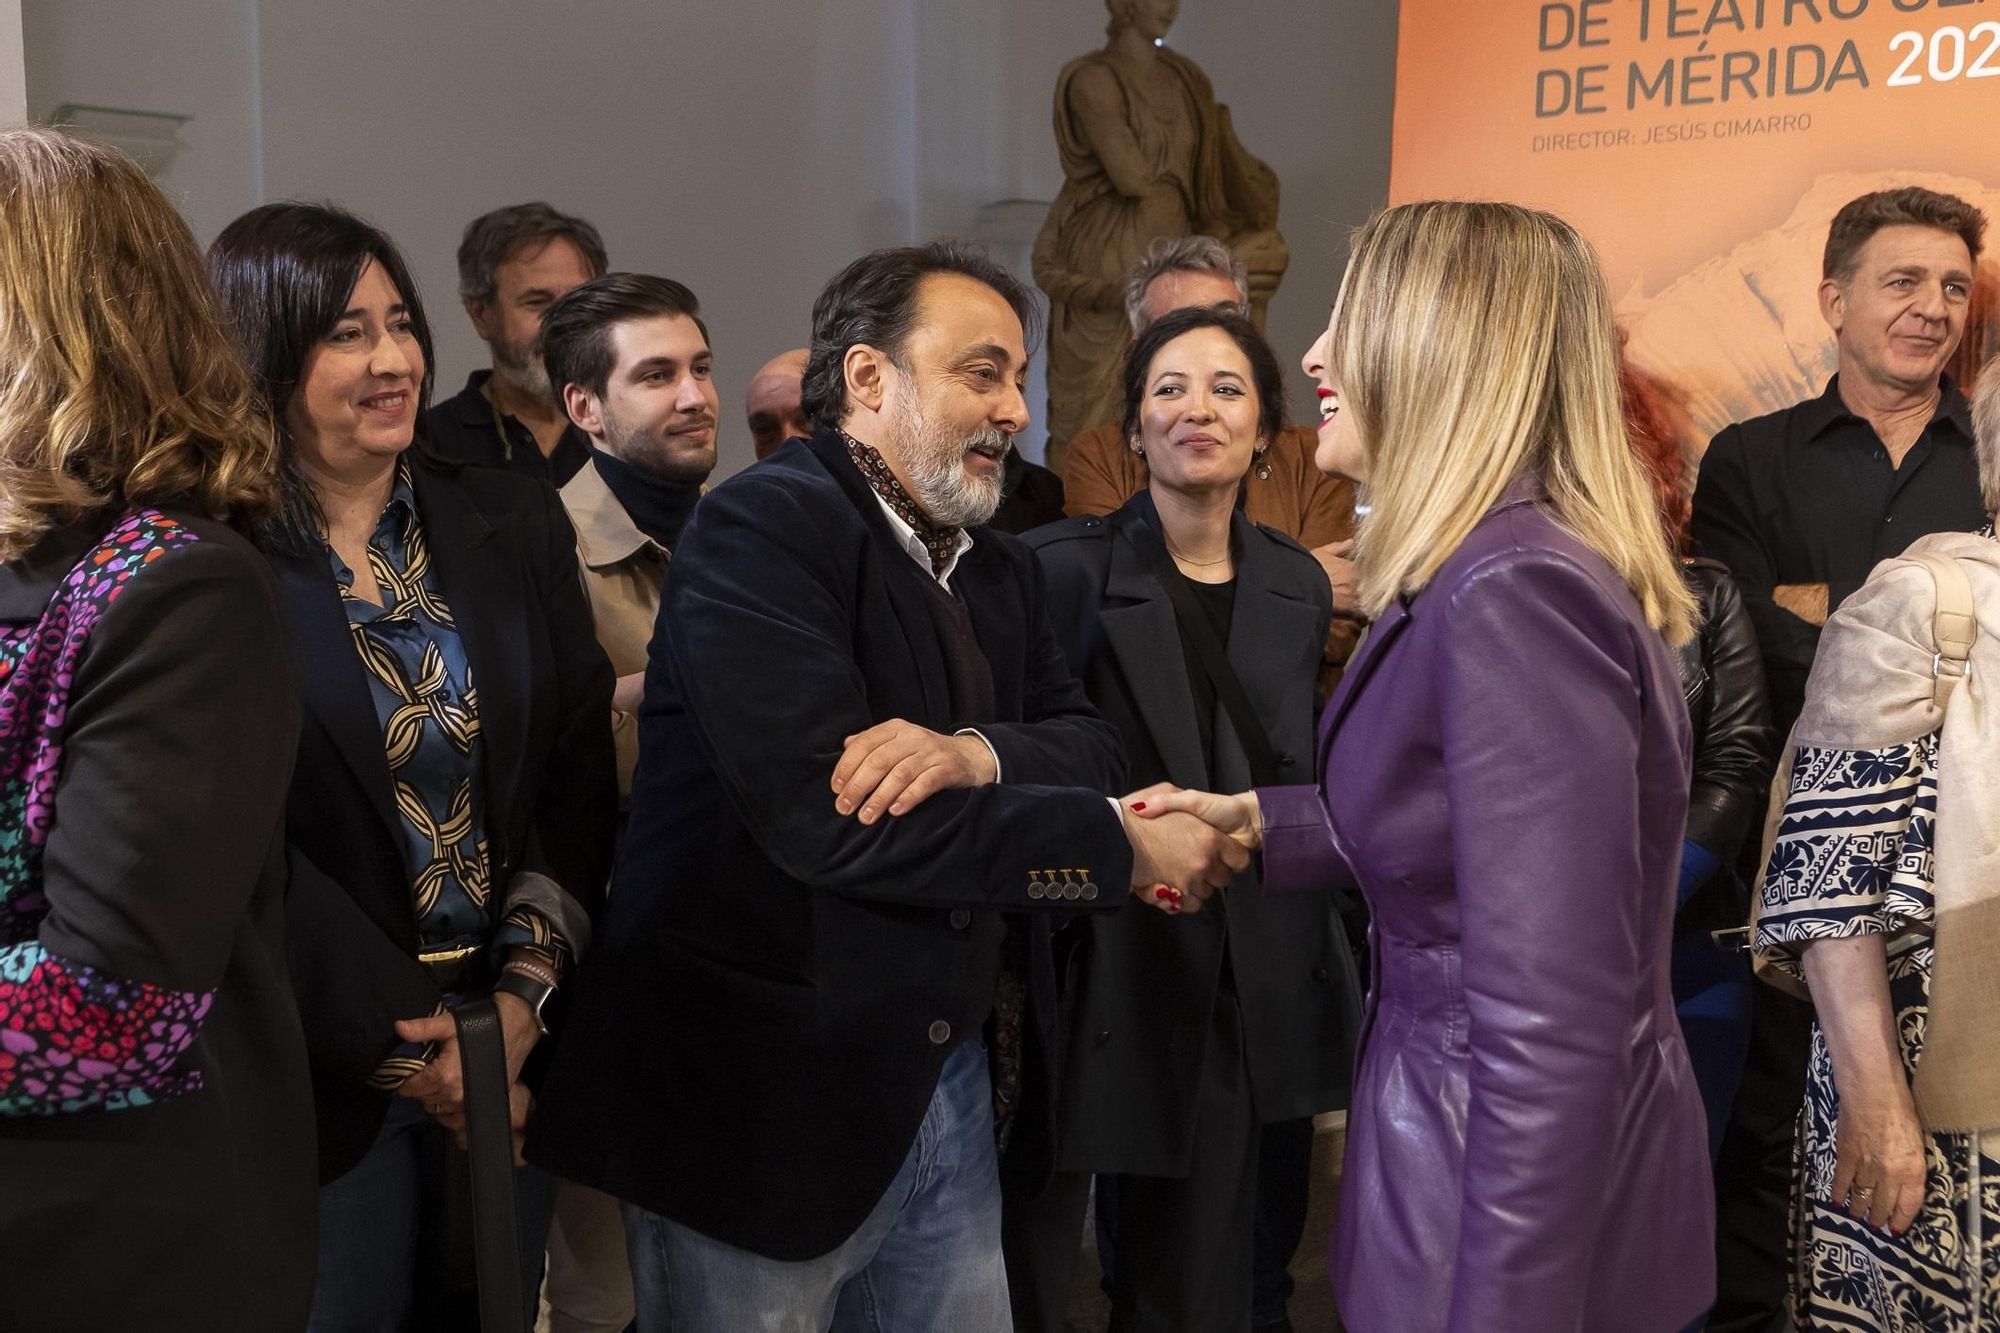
column 1300, row 850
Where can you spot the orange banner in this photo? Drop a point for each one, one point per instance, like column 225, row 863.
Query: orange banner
column 1703, row 146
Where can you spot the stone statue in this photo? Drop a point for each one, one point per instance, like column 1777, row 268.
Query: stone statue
column 1147, row 152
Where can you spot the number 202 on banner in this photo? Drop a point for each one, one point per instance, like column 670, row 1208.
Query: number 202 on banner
column 1949, row 48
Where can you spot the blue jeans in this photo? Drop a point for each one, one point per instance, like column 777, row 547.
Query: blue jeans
column 385, row 1232
column 926, row 1260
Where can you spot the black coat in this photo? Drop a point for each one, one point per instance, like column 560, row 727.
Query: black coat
column 1735, row 746
column 165, row 864
column 504, row 557
column 1140, row 986
column 1031, row 496
column 776, row 986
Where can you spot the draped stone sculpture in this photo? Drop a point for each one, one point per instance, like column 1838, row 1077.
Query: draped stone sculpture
column 1147, row 152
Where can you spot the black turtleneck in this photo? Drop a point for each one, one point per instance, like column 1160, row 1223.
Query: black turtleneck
column 658, row 508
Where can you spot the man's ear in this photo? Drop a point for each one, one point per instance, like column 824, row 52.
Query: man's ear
column 584, row 409
column 866, row 371
column 485, row 319
column 1833, row 302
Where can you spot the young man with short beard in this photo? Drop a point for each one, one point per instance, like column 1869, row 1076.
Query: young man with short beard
column 513, row 264
column 628, row 356
column 822, row 995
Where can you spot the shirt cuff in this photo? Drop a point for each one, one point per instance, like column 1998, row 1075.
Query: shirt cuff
column 970, row 731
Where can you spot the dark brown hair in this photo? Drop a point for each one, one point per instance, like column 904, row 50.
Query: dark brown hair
column 1911, row 206
column 492, row 238
column 1265, row 375
column 575, row 341
column 874, row 301
column 285, row 273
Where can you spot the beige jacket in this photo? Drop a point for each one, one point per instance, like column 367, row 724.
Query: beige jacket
column 623, row 572
column 1873, row 686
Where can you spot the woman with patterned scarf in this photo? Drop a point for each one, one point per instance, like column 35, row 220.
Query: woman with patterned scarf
column 451, row 816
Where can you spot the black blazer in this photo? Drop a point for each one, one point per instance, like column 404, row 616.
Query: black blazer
column 1140, row 986
column 776, row 986
column 1735, row 747
column 165, row 864
column 504, row 556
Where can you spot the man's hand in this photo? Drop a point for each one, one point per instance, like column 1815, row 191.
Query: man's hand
column 1177, row 861
column 895, row 766
column 1807, row 601
column 1342, row 575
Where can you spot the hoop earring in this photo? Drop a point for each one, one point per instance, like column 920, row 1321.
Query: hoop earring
column 1263, row 468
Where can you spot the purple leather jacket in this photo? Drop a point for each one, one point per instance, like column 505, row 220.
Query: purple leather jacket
column 1504, row 772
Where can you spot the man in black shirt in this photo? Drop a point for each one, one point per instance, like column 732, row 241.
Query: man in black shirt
column 513, row 263
column 1800, row 505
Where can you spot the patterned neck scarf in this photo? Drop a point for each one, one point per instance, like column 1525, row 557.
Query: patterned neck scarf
column 939, row 543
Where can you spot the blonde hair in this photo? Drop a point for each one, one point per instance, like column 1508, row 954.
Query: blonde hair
column 118, row 385
column 1986, row 433
column 1475, row 345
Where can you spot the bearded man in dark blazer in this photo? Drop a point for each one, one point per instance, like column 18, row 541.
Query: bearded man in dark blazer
column 820, row 1007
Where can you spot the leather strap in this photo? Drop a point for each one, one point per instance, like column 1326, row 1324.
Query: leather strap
column 482, row 1055
column 1214, row 657
column 1955, row 626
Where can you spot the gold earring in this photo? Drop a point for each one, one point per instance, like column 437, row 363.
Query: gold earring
column 1263, row 462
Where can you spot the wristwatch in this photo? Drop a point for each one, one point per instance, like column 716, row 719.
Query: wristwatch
column 531, row 991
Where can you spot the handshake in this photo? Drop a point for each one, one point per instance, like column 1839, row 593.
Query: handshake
column 1187, row 844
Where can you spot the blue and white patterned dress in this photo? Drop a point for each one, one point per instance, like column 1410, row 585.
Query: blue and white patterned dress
column 1853, row 857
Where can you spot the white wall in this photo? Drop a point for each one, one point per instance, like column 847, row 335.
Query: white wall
column 748, row 148
column 13, row 65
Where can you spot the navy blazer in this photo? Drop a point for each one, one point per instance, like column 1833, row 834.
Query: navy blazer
column 776, row 986
column 504, row 556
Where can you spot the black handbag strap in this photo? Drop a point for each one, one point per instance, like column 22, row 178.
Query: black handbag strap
column 482, row 1055
column 1210, row 652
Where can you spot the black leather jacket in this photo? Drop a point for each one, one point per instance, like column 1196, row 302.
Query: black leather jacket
column 1735, row 746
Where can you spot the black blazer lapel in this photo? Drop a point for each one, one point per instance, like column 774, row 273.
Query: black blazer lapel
column 490, row 607
column 331, row 677
column 1146, row 640
column 1274, row 647
column 907, row 596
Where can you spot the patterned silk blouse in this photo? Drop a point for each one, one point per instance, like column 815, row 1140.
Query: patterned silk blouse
column 421, row 684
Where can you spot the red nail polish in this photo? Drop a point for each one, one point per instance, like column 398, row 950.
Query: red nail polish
column 1138, row 805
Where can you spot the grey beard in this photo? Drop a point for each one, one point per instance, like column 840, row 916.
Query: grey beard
column 528, row 377
column 937, row 472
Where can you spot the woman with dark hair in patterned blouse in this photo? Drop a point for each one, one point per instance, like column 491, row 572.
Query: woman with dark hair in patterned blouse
column 452, row 814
